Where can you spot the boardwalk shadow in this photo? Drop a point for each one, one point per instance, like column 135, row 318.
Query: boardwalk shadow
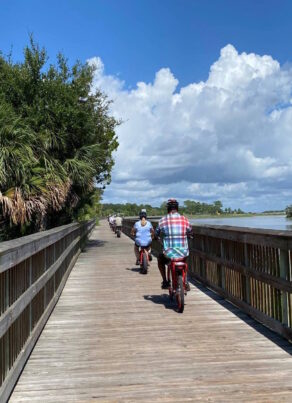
column 93, row 243
column 162, row 299
column 269, row 334
column 136, row 270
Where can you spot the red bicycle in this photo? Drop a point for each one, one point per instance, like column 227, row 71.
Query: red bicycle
column 118, row 231
column 177, row 275
column 144, row 259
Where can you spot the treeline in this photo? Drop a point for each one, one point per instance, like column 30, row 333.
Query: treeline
column 288, row 211
column 188, row 207
column 56, row 143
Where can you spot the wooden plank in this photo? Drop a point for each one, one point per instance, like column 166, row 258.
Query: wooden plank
column 17, row 250
column 14, row 252
column 15, row 371
column 114, row 336
column 26, row 286
column 277, row 282
column 273, row 238
column 12, row 313
column 274, row 325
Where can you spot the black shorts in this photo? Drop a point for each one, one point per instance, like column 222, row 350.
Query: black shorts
column 162, row 259
column 138, row 246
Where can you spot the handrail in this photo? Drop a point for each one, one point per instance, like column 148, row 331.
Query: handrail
column 33, row 273
column 249, row 267
column 15, row 251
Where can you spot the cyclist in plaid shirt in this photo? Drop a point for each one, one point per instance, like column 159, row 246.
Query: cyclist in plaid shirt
column 173, row 229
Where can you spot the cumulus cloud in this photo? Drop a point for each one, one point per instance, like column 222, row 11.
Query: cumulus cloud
column 227, row 138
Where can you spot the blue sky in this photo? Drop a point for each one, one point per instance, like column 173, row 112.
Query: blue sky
column 205, row 86
column 135, row 38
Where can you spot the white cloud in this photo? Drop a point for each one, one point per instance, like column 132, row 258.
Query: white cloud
column 228, row 138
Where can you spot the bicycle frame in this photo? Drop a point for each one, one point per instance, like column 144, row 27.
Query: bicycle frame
column 175, row 267
column 118, row 230
column 144, row 259
column 143, row 249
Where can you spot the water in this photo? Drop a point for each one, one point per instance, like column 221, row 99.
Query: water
column 277, row 222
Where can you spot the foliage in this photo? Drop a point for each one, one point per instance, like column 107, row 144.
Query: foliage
column 288, row 211
column 89, row 207
column 189, row 207
column 56, row 142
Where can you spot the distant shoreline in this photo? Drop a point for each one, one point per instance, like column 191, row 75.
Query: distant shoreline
column 194, row 216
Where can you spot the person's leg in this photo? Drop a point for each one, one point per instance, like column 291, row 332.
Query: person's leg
column 136, row 251
column 162, row 261
column 188, row 287
column 149, row 252
column 161, row 266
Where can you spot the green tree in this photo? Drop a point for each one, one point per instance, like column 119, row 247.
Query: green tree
column 218, row 206
column 57, row 138
column 189, row 207
column 288, row 211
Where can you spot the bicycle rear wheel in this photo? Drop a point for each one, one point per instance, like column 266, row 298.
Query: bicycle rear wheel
column 145, row 263
column 180, row 294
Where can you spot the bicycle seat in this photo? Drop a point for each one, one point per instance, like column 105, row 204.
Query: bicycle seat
column 179, row 264
column 179, row 259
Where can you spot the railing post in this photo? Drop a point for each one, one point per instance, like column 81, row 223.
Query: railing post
column 284, row 273
column 30, row 283
column 6, row 290
column 6, row 339
column 222, row 254
column 45, row 268
column 247, row 276
column 202, row 260
column 54, row 276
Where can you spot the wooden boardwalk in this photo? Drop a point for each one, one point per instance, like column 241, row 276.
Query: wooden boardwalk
column 114, row 337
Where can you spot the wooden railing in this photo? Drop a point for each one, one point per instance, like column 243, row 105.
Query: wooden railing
column 249, row 267
column 33, row 272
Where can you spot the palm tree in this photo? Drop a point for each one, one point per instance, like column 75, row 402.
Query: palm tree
column 30, row 181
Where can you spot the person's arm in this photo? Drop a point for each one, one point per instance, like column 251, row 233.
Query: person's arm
column 157, row 232
column 134, row 230
column 151, row 231
column 189, row 230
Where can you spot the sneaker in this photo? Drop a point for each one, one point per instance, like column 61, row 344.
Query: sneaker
column 150, row 257
column 165, row 285
column 188, row 288
column 137, row 262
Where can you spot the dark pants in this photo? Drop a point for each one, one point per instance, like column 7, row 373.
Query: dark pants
column 136, row 249
column 162, row 260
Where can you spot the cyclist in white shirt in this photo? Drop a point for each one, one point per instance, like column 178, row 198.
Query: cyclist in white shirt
column 143, row 232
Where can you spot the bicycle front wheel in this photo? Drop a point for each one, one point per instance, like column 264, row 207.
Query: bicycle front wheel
column 180, row 294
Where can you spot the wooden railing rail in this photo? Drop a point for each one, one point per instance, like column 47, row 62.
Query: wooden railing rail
column 249, row 267
column 33, row 272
